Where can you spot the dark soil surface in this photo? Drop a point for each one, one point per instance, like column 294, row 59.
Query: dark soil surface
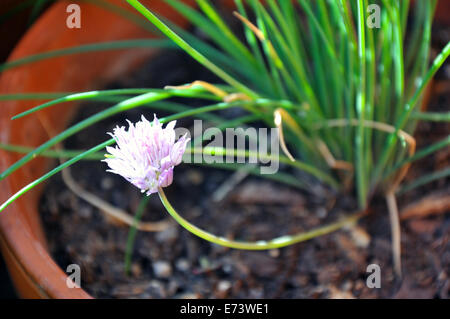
column 176, row 264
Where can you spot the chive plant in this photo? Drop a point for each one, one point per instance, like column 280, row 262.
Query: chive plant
column 343, row 94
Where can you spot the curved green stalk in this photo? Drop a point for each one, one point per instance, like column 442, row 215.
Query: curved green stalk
column 278, row 242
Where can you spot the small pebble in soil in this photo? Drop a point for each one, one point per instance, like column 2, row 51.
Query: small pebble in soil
column 167, row 235
column 321, row 212
column 195, row 177
column 85, row 211
column 360, row 236
column 182, row 265
column 107, row 183
column 136, row 269
column 223, row 285
column 227, row 268
column 162, row 269
column 172, row 287
column 223, row 288
column 274, row 253
column 156, row 288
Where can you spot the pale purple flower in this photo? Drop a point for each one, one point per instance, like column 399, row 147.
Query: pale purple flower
column 146, row 154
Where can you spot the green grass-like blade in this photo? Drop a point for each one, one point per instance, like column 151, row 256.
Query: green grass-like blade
column 425, row 179
column 431, row 116
column 190, row 50
column 33, row 96
column 192, row 93
column 360, row 160
column 231, row 39
column 213, row 31
column 63, row 154
column 419, row 155
column 81, row 96
column 408, row 109
column 86, row 48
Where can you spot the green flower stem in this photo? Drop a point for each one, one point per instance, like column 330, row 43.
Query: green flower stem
column 278, row 242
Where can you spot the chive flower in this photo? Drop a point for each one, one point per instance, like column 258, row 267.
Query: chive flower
column 146, row 154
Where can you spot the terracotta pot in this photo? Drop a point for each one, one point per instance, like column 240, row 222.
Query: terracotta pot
column 32, row 269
